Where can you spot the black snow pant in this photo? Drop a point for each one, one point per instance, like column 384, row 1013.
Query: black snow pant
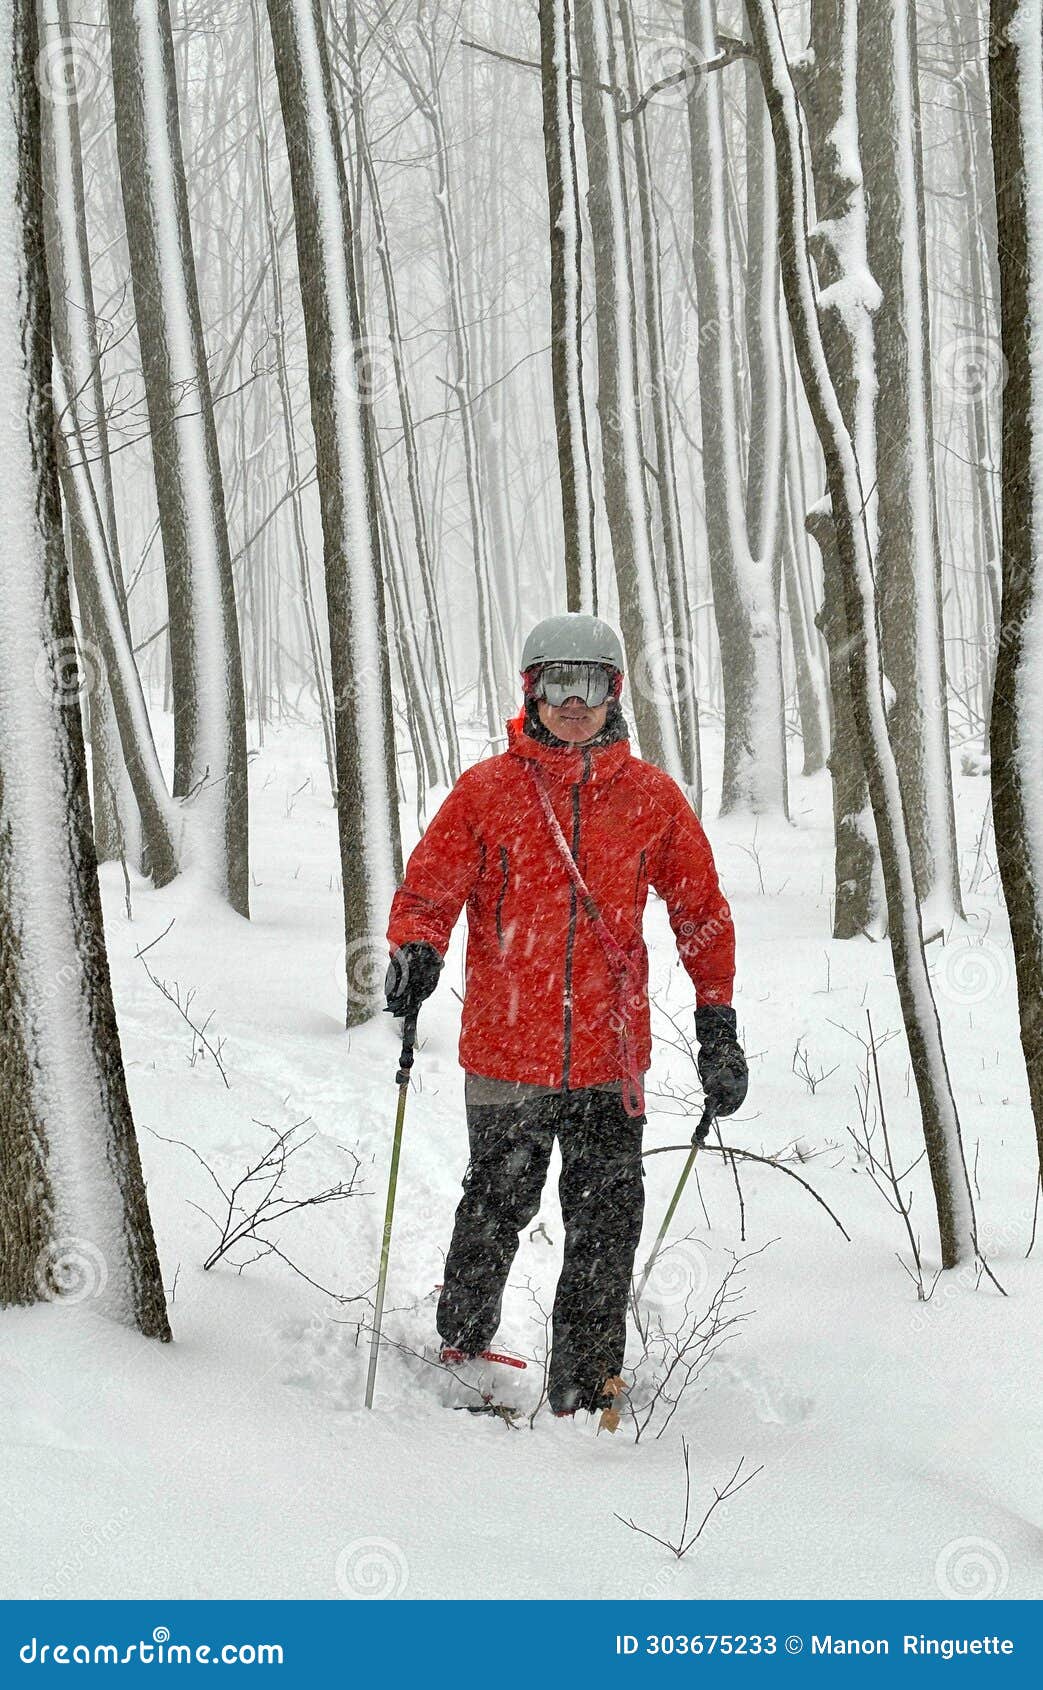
column 602, row 1202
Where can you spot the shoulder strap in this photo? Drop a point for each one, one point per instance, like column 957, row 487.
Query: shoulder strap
column 618, row 960
column 613, row 950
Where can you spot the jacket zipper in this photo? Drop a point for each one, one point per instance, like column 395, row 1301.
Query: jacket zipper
column 502, row 895
column 571, row 938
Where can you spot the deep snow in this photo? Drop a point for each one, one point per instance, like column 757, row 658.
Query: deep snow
column 898, row 1440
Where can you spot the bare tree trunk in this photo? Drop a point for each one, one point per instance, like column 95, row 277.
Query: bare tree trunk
column 801, row 596
column 421, row 538
column 420, row 715
column 908, row 556
column 74, row 1218
column 745, row 581
column 209, row 712
column 408, row 700
column 293, row 472
column 682, row 649
column 490, row 412
column 106, row 628
column 626, row 498
column 1016, row 84
column 982, row 389
column 116, row 696
column 367, row 805
column 493, row 667
column 566, row 306
column 930, row 1073
column 765, row 461
column 828, row 96
column 116, row 821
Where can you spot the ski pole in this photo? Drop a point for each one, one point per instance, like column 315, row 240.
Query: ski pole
column 405, row 1063
column 698, row 1137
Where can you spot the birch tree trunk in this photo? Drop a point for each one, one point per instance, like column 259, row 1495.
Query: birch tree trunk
column 649, row 659
column 908, row 556
column 206, row 667
column 930, row 1073
column 566, row 306
column 74, row 1218
column 1016, row 84
column 367, row 803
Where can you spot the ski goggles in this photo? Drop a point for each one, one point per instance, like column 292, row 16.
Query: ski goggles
column 592, row 683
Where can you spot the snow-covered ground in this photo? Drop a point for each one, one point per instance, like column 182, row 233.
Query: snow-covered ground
column 897, row 1441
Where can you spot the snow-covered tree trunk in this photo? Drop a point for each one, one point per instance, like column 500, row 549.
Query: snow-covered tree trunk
column 115, row 691
column 966, row 39
column 765, row 458
column 764, row 462
column 907, row 554
column 289, row 424
column 1016, row 83
column 74, row 1217
column 930, row 1073
column 802, row 594
column 367, row 801
column 414, row 701
column 682, row 645
column 649, row 660
column 431, row 623
column 745, row 583
column 491, row 412
column 107, row 631
column 115, row 814
column 566, row 305
column 495, row 690
column 846, row 300
column 210, row 772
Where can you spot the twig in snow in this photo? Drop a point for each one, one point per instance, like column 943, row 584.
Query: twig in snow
column 730, row 1490
column 256, row 1202
column 801, row 1066
column 173, row 996
column 673, row 1359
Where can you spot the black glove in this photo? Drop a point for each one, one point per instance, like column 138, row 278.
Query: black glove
column 722, row 1066
column 411, row 977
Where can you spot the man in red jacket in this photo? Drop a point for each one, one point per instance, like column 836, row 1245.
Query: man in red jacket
column 553, row 846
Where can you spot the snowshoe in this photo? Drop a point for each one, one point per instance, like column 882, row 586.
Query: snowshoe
column 449, row 1356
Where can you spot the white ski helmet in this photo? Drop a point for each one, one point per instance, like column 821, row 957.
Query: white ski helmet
column 573, row 638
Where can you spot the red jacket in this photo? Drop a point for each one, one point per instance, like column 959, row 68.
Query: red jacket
column 541, row 1004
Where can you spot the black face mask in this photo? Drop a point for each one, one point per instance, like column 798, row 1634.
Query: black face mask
column 615, row 728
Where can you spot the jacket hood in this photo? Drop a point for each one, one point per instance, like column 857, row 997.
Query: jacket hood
column 568, row 763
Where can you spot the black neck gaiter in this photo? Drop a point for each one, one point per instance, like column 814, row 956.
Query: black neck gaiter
column 615, row 728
